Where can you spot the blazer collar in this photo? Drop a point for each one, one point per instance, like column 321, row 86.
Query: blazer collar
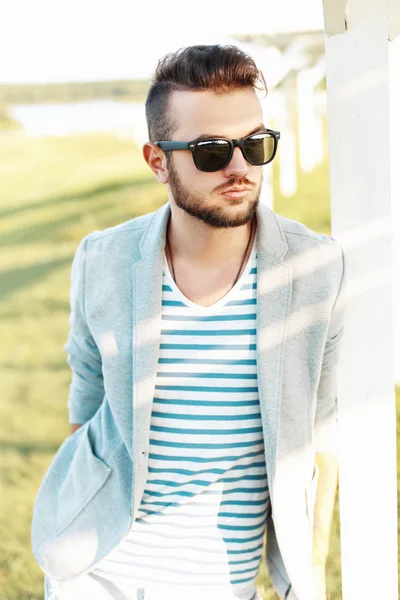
column 271, row 242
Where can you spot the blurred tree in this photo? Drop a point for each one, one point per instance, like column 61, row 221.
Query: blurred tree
column 6, row 121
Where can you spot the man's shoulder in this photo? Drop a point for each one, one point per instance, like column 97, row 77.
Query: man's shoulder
column 296, row 230
column 131, row 227
column 311, row 251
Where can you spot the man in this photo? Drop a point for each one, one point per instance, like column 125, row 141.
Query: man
column 204, row 348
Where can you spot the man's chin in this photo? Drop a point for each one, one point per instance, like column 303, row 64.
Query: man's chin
column 222, row 213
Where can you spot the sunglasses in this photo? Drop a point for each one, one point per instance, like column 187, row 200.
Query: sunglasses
column 213, row 154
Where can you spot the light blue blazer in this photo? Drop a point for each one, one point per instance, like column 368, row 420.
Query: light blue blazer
column 92, row 490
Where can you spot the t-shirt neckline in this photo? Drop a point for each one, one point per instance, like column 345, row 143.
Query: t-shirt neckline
column 222, row 301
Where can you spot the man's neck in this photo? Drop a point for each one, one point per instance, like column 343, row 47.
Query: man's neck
column 197, row 243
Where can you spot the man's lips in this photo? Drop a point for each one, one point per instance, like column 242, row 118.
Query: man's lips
column 236, row 193
column 235, row 189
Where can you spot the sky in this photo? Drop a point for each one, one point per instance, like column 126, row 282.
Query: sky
column 45, row 41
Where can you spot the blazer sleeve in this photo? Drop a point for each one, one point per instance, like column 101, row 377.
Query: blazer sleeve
column 86, row 389
column 326, row 433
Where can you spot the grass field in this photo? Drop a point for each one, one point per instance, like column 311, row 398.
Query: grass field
column 53, row 192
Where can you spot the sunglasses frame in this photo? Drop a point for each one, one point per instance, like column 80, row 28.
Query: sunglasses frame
column 233, row 143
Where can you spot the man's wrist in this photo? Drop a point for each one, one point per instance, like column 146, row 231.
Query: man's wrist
column 75, row 426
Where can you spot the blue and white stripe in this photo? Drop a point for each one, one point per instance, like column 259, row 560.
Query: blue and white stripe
column 202, row 517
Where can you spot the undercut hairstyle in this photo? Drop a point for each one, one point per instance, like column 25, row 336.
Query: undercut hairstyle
column 215, row 68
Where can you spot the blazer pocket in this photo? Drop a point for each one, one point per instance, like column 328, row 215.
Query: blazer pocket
column 311, row 495
column 86, row 475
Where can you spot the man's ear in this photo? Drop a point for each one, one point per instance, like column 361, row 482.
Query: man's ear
column 156, row 160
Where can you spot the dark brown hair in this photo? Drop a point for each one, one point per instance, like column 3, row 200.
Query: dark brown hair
column 205, row 67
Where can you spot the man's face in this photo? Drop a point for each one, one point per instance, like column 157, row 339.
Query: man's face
column 231, row 115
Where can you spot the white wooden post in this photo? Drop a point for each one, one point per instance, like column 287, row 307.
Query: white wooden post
column 321, row 111
column 395, row 149
column 319, row 148
column 310, row 134
column 357, row 60
column 394, row 55
column 287, row 144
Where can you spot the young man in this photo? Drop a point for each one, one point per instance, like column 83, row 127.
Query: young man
column 204, row 346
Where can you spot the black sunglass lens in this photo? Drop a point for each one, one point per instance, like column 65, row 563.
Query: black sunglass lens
column 211, row 155
column 259, row 148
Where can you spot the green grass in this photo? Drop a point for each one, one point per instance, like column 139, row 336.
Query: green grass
column 52, row 192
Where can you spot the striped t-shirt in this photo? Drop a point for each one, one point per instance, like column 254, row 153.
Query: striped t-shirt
column 201, row 522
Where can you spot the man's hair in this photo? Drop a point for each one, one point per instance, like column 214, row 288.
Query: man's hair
column 215, row 68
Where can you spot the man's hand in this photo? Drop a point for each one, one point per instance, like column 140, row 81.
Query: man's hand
column 75, row 426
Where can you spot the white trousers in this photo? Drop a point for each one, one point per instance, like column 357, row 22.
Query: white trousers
column 84, row 588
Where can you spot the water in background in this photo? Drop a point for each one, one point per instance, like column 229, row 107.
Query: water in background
column 123, row 118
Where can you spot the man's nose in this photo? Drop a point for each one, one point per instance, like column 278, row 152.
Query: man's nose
column 238, row 165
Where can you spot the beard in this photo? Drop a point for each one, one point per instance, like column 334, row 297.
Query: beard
column 215, row 216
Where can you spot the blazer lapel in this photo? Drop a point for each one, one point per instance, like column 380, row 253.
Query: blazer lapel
column 285, row 457
column 274, row 292
column 147, row 297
